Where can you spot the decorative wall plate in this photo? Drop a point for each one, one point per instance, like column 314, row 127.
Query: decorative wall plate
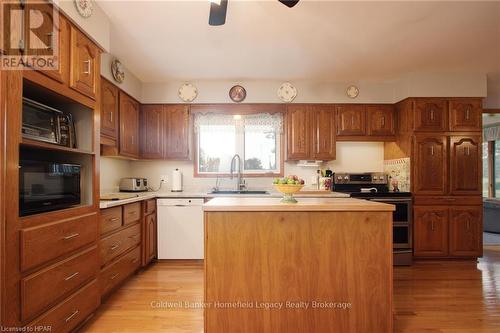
column 237, row 94
column 187, row 92
column 84, row 7
column 287, row 92
column 117, row 71
column 352, row 91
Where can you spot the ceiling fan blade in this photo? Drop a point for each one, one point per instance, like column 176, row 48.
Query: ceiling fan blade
column 289, row 3
column 217, row 13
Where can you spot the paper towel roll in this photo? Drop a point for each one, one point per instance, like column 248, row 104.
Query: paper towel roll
column 176, row 181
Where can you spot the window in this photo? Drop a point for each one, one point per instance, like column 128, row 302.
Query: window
column 256, row 138
column 486, row 169
column 496, row 166
column 491, row 156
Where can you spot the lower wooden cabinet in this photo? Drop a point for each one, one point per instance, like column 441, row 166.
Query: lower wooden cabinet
column 112, row 275
column 151, row 232
column 447, row 231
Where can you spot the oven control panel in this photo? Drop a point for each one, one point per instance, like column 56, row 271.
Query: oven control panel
column 360, row 178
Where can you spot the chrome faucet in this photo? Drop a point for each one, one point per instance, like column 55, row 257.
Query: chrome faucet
column 239, row 184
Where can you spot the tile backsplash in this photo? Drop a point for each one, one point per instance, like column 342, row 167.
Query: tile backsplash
column 399, row 172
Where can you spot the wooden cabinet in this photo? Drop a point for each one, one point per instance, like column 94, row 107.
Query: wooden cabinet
column 177, row 132
column 129, row 126
column 323, row 133
column 431, row 231
column 380, row 120
column 152, row 132
column 109, row 112
column 465, row 165
column 430, row 155
column 151, row 238
column 85, row 64
column 298, row 130
column 465, row 114
column 430, row 114
column 466, row 231
column 351, row 120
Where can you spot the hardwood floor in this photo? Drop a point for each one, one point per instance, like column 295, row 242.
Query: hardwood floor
column 429, row 297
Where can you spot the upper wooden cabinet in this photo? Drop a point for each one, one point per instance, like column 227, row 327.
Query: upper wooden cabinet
column 465, row 165
column 465, row 114
column 310, row 132
column 323, row 132
column 129, row 126
column 298, row 130
column 152, row 131
column 109, row 112
column 430, row 155
column 430, row 114
column 165, row 132
column 380, row 120
column 84, row 74
column 351, row 120
column 177, row 132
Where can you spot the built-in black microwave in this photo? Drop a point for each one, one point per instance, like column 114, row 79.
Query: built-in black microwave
column 47, row 186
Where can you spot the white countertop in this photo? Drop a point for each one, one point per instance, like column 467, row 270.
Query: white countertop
column 151, row 195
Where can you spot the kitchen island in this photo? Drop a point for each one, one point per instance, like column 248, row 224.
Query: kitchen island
column 321, row 265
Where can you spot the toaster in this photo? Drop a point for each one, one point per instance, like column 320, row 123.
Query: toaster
column 133, row 185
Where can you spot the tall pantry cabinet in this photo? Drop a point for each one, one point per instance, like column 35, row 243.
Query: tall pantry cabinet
column 444, row 141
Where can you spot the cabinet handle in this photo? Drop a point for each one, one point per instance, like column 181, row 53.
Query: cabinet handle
column 71, row 236
column 432, row 225
column 133, row 140
column 467, row 151
column 135, row 260
column 51, row 40
column 114, row 276
column 467, row 114
column 352, row 121
column 432, row 150
column 383, row 121
column 113, row 219
column 72, row 316
column 468, row 225
column 71, row 276
column 432, row 114
column 87, row 62
column 114, row 247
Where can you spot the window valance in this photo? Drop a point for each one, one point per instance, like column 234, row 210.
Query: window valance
column 248, row 122
column 491, row 133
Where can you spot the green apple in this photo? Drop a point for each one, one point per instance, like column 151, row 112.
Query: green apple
column 283, row 181
column 291, row 182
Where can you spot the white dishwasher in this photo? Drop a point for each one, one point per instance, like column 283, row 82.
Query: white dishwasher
column 180, row 229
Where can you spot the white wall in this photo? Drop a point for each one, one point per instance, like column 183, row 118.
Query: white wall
column 112, row 169
column 131, row 85
column 351, row 156
column 492, row 100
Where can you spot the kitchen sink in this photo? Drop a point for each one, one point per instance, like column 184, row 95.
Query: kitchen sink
column 238, row 192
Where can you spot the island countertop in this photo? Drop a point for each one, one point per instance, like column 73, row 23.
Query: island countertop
column 304, row 205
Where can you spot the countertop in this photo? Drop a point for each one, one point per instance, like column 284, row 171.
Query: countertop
column 151, row 195
column 304, row 204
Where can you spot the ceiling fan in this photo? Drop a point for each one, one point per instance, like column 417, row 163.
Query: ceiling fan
column 218, row 9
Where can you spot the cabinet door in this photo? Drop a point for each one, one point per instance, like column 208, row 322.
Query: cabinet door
column 430, row 231
column 465, row 165
column 129, row 126
column 351, row 120
column 177, row 132
column 430, row 165
column 151, row 239
column 465, row 115
column 380, row 120
column 430, row 114
column 298, row 130
column 49, row 40
column 323, row 132
column 152, row 131
column 466, row 231
column 84, row 64
column 109, row 109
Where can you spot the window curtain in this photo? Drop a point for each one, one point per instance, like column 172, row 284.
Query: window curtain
column 491, row 133
column 252, row 122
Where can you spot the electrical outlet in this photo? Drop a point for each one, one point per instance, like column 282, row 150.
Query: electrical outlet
column 164, row 178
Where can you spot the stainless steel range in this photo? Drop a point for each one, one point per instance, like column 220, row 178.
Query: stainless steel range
column 375, row 186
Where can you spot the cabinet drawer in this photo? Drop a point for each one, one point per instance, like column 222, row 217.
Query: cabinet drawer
column 72, row 311
column 43, row 243
column 150, row 206
column 115, row 273
column 116, row 244
column 131, row 213
column 111, row 219
column 448, row 200
column 43, row 288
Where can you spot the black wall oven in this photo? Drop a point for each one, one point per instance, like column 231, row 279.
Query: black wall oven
column 47, row 186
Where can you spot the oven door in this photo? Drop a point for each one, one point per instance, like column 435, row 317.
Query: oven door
column 402, row 221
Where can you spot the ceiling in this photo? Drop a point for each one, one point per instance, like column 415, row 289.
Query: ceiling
column 316, row 40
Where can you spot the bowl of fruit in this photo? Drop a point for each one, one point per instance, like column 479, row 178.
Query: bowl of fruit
column 288, row 186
